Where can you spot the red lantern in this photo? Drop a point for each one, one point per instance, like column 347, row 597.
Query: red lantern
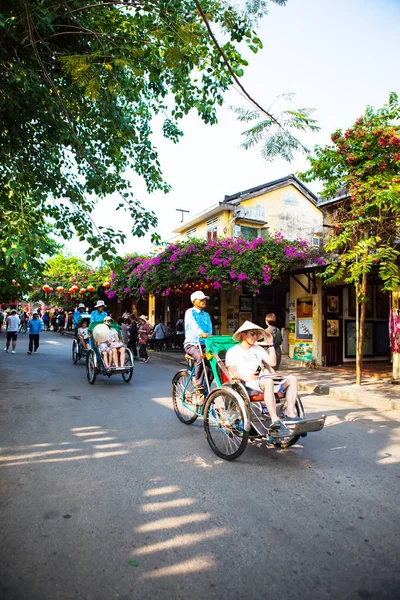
column 14, row 282
column 47, row 288
column 106, row 284
column 82, row 291
column 90, row 288
column 59, row 289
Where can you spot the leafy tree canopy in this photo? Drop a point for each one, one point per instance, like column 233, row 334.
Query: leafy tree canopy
column 80, row 84
column 363, row 165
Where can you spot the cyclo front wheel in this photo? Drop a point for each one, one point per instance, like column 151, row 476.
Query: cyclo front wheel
column 182, row 393
column 128, row 374
column 224, row 424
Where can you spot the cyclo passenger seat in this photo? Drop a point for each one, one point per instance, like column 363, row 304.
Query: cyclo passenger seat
column 256, row 396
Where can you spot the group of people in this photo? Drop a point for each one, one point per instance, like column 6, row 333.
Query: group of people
column 13, row 321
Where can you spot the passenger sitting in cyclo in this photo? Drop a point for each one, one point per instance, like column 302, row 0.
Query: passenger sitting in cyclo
column 251, row 364
column 112, row 348
column 83, row 334
column 198, row 326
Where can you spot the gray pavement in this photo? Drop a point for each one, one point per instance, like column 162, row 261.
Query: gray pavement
column 106, row 495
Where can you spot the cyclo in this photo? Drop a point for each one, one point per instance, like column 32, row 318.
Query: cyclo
column 94, row 361
column 232, row 413
column 78, row 350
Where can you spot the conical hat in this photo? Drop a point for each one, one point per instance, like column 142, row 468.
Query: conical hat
column 247, row 326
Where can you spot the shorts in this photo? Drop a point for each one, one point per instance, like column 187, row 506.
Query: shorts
column 254, row 384
column 12, row 335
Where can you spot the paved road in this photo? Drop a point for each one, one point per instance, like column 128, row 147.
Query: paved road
column 93, row 477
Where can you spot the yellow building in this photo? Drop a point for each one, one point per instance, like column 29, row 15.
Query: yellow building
column 285, row 205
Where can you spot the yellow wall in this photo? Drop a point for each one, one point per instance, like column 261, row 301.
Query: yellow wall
column 285, row 209
column 289, row 211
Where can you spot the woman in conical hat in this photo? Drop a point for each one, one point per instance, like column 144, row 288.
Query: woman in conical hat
column 254, row 366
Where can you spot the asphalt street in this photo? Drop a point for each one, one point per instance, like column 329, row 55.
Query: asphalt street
column 105, row 495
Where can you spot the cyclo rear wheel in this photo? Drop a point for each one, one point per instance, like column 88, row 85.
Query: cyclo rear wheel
column 224, row 424
column 182, row 393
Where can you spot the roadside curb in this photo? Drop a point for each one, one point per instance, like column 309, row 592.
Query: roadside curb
column 349, row 395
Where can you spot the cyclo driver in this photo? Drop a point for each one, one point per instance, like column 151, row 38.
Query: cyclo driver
column 198, row 326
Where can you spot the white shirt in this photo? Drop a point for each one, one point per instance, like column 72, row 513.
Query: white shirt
column 12, row 323
column 246, row 362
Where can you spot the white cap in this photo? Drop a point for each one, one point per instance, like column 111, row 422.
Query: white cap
column 81, row 305
column 199, row 295
column 99, row 303
column 107, row 318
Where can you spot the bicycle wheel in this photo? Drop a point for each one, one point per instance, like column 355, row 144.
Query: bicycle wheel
column 128, row 374
column 91, row 369
column 75, row 352
column 223, row 424
column 290, row 440
column 182, row 397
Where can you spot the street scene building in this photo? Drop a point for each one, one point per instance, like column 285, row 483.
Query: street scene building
column 199, row 300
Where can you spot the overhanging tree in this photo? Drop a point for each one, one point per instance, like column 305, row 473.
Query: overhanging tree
column 80, row 84
column 364, row 161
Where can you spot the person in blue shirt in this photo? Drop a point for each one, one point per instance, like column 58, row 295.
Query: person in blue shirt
column 81, row 310
column 198, row 326
column 35, row 326
column 97, row 316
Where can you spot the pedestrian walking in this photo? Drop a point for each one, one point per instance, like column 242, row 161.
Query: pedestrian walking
column 144, row 333
column 46, row 320
column 270, row 320
column 133, row 335
column 159, row 335
column 12, row 326
column 35, row 326
column 180, row 332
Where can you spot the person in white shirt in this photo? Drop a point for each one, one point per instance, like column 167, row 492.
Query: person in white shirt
column 12, row 325
column 254, row 366
column 83, row 333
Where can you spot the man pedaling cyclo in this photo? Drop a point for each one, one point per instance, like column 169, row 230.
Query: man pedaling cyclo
column 250, row 363
column 198, row 326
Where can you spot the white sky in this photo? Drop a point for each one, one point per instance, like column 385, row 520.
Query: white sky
column 336, row 55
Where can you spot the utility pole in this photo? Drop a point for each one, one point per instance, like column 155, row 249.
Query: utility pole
column 182, row 210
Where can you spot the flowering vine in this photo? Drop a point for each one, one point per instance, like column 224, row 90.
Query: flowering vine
column 215, row 264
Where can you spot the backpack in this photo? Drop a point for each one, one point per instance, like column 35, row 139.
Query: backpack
column 180, row 327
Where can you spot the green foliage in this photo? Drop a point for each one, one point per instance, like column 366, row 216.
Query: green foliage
column 67, row 271
column 363, row 165
column 275, row 133
column 223, row 263
column 80, row 85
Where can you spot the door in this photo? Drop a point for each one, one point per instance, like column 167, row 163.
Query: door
column 333, row 325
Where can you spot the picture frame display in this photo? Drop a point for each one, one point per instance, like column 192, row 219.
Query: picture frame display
column 246, row 303
column 332, row 328
column 304, row 329
column 304, row 307
column 332, row 304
